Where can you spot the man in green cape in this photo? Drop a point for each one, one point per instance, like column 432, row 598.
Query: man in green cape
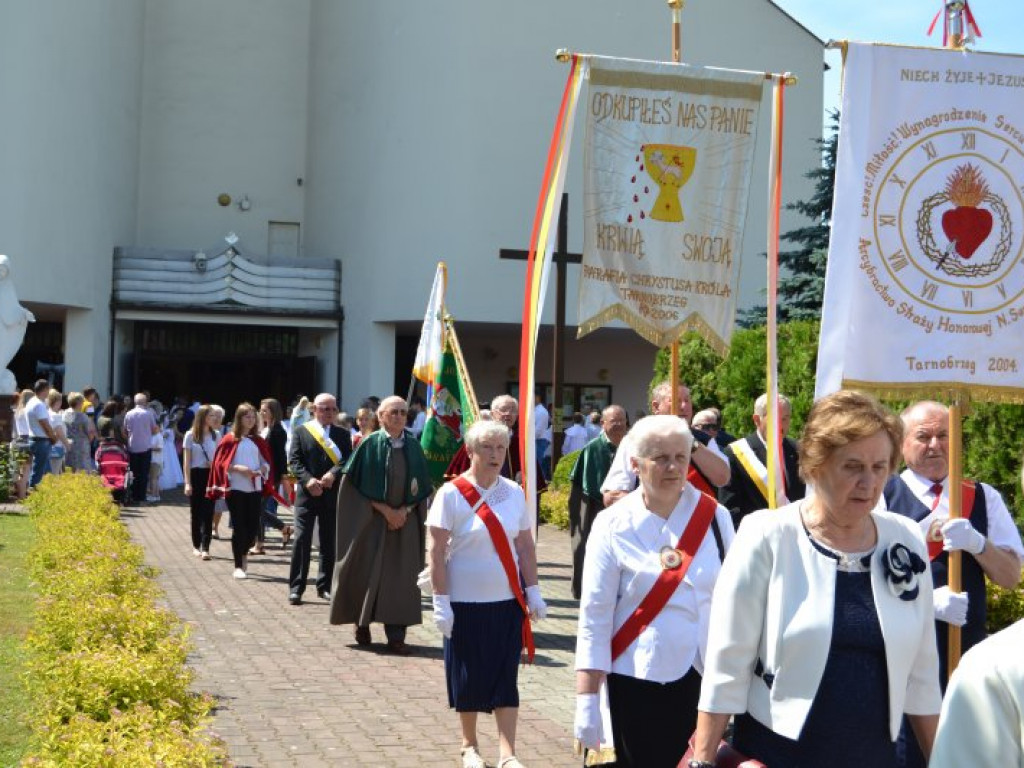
column 382, row 505
column 587, row 474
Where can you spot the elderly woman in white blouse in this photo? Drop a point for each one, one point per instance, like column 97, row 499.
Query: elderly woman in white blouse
column 480, row 550
column 651, row 564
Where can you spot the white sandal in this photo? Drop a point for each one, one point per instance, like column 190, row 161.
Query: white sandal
column 471, row 758
column 510, row 762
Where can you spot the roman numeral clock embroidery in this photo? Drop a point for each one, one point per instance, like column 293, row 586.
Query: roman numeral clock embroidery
column 943, row 215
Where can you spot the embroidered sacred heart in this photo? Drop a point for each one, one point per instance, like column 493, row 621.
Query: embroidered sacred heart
column 967, row 225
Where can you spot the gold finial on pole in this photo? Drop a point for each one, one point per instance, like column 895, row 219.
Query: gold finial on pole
column 677, row 24
column 563, row 55
column 955, row 12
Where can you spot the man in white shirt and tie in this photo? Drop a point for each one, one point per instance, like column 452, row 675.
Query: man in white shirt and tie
column 986, row 534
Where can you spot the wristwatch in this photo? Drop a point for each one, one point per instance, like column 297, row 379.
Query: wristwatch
column 700, row 764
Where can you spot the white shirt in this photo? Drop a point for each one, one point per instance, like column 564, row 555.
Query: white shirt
column 200, row 454
column 475, row 574
column 575, row 438
column 541, row 421
column 622, row 562
column 982, row 721
column 593, row 430
column 621, row 476
column 21, row 426
column 248, row 455
column 37, row 412
column 1002, row 531
column 418, row 423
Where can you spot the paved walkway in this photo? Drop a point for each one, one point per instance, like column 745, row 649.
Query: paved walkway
column 294, row 691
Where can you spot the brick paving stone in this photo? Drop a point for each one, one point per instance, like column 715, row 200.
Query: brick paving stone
column 294, row 691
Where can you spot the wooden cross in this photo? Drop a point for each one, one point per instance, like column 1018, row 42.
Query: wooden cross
column 561, row 258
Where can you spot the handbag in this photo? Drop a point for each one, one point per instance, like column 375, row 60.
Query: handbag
column 727, row 757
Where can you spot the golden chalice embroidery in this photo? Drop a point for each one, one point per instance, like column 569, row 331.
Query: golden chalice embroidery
column 670, row 167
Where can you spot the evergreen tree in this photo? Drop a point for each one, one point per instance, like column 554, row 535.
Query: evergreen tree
column 802, row 269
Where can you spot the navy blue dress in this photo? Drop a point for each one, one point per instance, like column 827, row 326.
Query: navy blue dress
column 848, row 724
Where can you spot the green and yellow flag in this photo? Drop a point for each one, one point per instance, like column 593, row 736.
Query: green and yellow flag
column 449, row 415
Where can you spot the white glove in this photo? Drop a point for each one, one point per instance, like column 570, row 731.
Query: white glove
column 444, row 618
column 535, row 603
column 950, row 607
column 960, row 534
column 587, row 726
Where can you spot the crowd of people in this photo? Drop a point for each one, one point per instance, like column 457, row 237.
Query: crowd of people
column 806, row 631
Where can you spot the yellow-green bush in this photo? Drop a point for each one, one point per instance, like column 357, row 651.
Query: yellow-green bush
column 554, row 503
column 106, row 664
column 1004, row 607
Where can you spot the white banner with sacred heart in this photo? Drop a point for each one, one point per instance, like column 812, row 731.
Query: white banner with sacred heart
column 924, row 293
column 667, row 162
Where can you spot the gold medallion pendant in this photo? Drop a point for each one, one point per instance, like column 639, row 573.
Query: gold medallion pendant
column 671, row 558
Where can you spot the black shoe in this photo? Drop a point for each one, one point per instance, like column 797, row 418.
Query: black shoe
column 324, row 594
column 295, row 598
column 399, row 648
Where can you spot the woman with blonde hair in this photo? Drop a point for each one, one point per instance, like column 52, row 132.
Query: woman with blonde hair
column 81, row 432
column 22, row 444
column 198, row 447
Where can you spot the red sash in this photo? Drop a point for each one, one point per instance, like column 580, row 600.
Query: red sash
column 696, row 479
column 669, row 579
column 500, row 541
column 966, row 505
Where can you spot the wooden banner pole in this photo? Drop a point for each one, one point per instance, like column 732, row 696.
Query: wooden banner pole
column 956, row 474
column 955, row 41
column 677, row 54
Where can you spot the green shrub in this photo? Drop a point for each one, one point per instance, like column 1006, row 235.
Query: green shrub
column 554, row 503
column 1005, row 606
column 137, row 738
column 106, row 667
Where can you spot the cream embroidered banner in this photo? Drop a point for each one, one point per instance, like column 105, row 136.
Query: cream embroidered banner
column 667, row 162
column 924, row 293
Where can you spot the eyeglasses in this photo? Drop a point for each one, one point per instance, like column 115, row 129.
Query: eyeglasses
column 396, row 411
column 326, row 408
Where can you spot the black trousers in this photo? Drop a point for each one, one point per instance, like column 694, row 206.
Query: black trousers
column 245, row 509
column 200, row 509
column 322, row 509
column 652, row 722
column 139, row 464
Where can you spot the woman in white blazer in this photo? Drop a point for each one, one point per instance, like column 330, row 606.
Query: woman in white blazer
column 822, row 631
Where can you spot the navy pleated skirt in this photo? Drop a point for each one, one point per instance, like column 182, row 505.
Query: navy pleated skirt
column 481, row 658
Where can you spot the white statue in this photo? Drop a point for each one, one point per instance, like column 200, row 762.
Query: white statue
column 12, row 332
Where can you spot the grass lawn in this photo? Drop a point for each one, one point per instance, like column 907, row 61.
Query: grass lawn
column 16, row 600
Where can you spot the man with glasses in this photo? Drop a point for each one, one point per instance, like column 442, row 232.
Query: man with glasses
column 319, row 450
column 382, row 505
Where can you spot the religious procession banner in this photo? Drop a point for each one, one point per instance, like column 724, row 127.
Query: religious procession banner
column 450, row 415
column 668, row 156
column 924, row 292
